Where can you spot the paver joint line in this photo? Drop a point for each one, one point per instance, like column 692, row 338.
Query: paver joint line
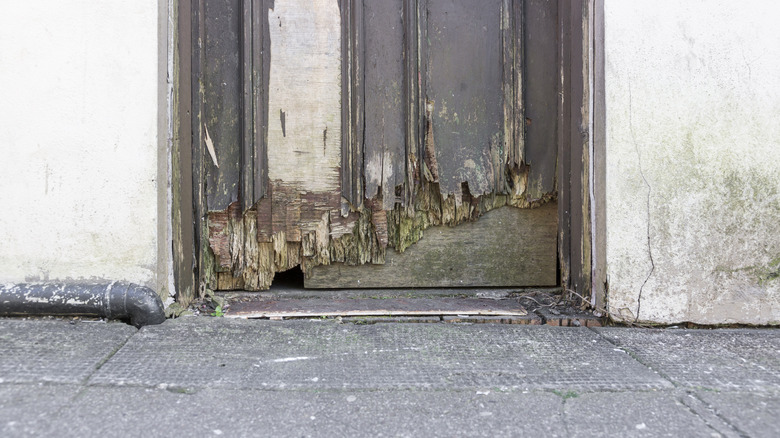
column 108, row 357
column 692, row 395
column 636, row 357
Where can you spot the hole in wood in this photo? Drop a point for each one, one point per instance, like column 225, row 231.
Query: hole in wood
column 289, row 279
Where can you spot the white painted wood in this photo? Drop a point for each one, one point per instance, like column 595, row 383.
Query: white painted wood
column 305, row 85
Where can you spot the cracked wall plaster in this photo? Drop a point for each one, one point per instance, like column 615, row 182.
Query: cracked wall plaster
column 693, row 160
column 78, row 141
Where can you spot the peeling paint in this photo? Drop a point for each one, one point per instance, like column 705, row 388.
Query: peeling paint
column 210, row 147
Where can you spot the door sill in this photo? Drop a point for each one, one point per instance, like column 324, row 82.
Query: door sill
column 281, row 292
column 526, row 306
column 393, row 307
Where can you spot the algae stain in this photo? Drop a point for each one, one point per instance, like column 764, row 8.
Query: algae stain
column 762, row 273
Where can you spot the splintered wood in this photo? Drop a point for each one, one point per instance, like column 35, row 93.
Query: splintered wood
column 249, row 252
column 440, row 143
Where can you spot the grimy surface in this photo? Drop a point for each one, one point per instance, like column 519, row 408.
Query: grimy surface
column 363, row 123
column 216, row 376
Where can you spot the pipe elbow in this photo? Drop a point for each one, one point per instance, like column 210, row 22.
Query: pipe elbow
column 141, row 305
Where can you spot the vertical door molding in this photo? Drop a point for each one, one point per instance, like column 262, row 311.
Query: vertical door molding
column 352, row 106
column 599, row 286
column 254, row 76
column 581, row 142
column 182, row 208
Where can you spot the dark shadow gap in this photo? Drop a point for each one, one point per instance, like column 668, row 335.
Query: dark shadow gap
column 289, row 279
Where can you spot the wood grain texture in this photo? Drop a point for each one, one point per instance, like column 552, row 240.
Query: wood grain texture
column 203, row 262
column 506, row 247
column 464, row 93
column 385, row 125
column 304, row 143
column 183, row 245
column 599, row 163
column 564, row 137
column 579, row 144
column 417, row 101
column 575, row 155
column 249, row 118
column 352, row 103
column 222, row 99
column 304, row 139
column 254, row 162
column 517, row 21
column 411, row 88
column 541, row 95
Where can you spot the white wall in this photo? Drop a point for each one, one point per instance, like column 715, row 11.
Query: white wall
column 693, row 160
column 79, row 140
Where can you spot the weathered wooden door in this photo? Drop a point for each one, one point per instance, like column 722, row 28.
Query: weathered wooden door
column 377, row 143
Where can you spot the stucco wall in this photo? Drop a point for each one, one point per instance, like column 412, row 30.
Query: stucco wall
column 693, row 160
column 79, row 141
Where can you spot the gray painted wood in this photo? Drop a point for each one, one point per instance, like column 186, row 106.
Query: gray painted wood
column 412, row 78
column 222, row 100
column 541, row 94
column 461, row 113
column 599, row 161
column 254, row 161
column 385, row 124
column 576, row 242
column 182, row 208
column 248, row 121
column 578, row 146
column 200, row 238
column 564, row 150
column 352, row 101
column 505, row 247
column 514, row 75
column 261, row 60
column 464, row 76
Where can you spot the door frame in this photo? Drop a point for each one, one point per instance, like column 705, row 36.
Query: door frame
column 581, row 168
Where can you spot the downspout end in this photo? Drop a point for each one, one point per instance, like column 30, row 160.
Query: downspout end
column 140, row 304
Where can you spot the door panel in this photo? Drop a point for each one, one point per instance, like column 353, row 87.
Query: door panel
column 385, row 115
column 464, row 95
column 367, row 139
column 505, row 247
column 222, row 100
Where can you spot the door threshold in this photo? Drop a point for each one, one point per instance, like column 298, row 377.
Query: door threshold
column 283, row 292
column 375, row 307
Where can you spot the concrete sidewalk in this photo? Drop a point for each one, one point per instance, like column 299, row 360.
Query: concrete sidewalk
column 214, row 376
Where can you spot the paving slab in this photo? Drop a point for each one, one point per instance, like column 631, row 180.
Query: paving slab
column 116, row 411
column 322, row 354
column 721, row 359
column 29, row 409
column 753, row 414
column 56, row 351
column 634, row 414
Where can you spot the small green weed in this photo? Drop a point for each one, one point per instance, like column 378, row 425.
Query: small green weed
column 567, row 395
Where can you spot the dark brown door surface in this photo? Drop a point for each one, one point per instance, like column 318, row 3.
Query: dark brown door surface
column 377, row 143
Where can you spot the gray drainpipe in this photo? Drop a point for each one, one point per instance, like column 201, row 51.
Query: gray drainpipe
column 125, row 301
